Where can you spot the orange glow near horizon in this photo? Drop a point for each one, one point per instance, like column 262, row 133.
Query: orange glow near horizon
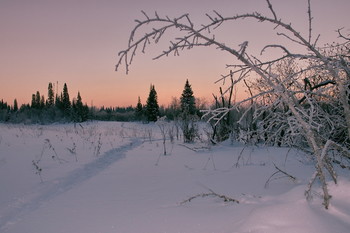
column 77, row 42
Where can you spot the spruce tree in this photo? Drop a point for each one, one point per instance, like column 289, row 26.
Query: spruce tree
column 3, row 105
column 78, row 108
column 33, row 103
column 79, row 102
column 50, row 96
column 37, row 99
column 42, row 102
column 152, row 107
column 188, row 103
column 58, row 101
column 15, row 105
column 139, row 109
column 80, row 111
column 188, row 118
column 66, row 104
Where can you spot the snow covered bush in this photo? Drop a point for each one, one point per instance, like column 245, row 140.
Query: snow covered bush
column 298, row 96
column 189, row 127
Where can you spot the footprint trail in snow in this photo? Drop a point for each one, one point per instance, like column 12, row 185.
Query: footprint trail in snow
column 51, row 190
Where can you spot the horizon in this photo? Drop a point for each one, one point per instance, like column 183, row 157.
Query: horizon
column 77, row 42
column 91, row 104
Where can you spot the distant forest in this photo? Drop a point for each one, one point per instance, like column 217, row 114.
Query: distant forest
column 61, row 108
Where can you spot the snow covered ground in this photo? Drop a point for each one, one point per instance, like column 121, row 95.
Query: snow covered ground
column 108, row 177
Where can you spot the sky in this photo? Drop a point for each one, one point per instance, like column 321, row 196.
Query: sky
column 77, row 42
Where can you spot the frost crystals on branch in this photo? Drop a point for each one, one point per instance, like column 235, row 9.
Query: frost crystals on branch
column 299, row 99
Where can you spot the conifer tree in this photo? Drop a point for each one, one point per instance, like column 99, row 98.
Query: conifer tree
column 152, row 107
column 42, row 102
column 188, row 110
column 66, row 104
column 80, row 111
column 139, row 109
column 33, row 103
column 15, row 105
column 79, row 102
column 78, row 108
column 188, row 103
column 4, row 111
column 37, row 99
column 50, row 96
column 58, row 101
column 3, row 105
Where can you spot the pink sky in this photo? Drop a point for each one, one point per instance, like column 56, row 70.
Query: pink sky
column 77, row 42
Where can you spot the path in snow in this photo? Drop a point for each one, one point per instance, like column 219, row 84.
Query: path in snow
column 59, row 186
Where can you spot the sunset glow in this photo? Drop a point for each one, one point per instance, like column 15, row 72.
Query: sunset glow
column 77, row 42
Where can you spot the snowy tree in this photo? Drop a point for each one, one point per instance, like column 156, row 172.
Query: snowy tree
column 292, row 96
column 223, row 129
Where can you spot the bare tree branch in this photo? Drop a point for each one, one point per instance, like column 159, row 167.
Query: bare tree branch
column 310, row 20
column 210, row 194
column 293, row 178
column 271, row 9
column 285, row 104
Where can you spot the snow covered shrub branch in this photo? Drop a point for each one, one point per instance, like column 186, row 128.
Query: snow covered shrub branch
column 298, row 97
column 164, row 130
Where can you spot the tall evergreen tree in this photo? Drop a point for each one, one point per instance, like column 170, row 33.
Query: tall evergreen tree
column 3, row 105
column 33, row 103
column 78, row 108
column 188, row 109
column 42, row 102
column 66, row 104
column 58, row 101
column 50, row 96
column 15, row 105
column 80, row 111
column 152, row 107
column 139, row 109
column 188, row 103
column 79, row 102
column 37, row 99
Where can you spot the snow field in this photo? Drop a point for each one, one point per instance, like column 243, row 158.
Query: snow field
column 117, row 180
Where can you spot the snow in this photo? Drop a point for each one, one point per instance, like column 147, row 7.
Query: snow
column 113, row 177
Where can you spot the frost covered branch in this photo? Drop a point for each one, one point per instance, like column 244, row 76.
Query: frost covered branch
column 297, row 99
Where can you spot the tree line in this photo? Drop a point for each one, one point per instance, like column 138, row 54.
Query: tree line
column 59, row 107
